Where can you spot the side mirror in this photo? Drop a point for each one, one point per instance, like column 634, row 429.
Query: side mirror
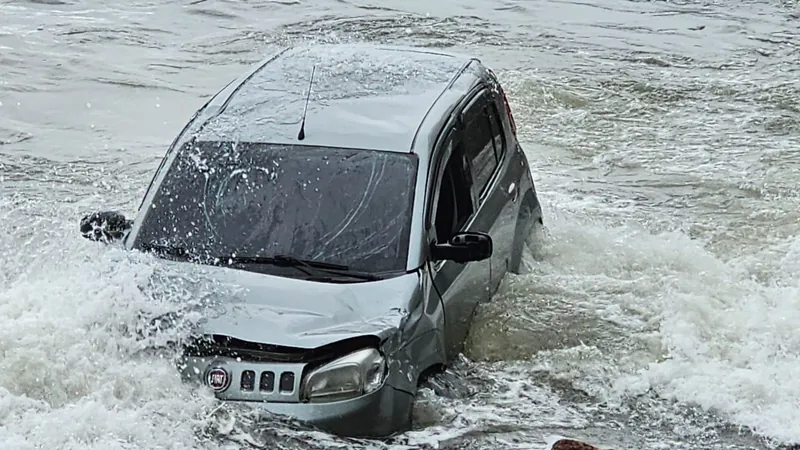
column 463, row 247
column 105, row 226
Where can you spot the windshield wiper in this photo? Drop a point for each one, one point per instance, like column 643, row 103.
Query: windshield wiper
column 303, row 265
column 168, row 249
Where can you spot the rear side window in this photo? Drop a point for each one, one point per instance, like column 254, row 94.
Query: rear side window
column 497, row 132
column 479, row 141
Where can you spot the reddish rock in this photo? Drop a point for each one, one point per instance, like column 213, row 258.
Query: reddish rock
column 569, row 444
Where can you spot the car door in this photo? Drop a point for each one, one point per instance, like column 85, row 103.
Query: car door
column 461, row 286
column 484, row 147
column 506, row 197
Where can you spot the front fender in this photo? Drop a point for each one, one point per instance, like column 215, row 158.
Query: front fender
column 419, row 342
column 407, row 363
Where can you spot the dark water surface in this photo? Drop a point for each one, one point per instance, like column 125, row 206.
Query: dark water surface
column 661, row 311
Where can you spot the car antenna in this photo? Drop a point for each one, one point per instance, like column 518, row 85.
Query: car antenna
column 302, row 134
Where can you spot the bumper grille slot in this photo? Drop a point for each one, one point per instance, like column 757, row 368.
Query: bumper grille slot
column 267, row 382
column 248, row 380
column 287, row 382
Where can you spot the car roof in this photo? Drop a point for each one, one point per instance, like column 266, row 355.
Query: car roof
column 363, row 96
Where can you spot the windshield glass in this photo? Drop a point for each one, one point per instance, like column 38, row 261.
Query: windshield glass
column 343, row 206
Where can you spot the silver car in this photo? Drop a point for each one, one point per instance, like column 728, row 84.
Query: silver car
column 365, row 199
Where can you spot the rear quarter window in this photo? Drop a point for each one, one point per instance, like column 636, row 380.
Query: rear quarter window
column 478, row 139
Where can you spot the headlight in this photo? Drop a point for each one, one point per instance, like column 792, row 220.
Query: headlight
column 350, row 376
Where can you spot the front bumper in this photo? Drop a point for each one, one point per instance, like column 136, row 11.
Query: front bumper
column 378, row 414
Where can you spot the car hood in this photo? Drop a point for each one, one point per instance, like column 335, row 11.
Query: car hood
column 290, row 312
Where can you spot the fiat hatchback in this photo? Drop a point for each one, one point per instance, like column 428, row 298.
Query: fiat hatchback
column 364, row 199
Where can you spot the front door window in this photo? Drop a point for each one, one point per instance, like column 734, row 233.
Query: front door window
column 454, row 206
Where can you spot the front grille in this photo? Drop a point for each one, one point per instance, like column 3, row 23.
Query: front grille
column 250, row 381
column 266, row 382
column 260, row 372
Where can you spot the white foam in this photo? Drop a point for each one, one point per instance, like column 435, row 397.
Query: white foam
column 733, row 343
column 69, row 374
column 696, row 329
